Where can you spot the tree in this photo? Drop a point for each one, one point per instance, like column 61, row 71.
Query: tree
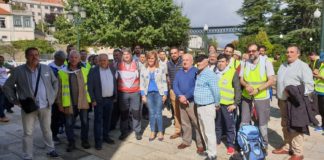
column 254, row 15
column 8, row 49
column 43, row 46
column 126, row 23
column 212, row 42
column 261, row 39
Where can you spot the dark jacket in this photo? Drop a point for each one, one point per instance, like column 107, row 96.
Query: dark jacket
column 300, row 109
column 94, row 84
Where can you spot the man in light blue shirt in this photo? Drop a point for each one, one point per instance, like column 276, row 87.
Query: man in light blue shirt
column 207, row 98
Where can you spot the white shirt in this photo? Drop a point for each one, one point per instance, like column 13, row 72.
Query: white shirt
column 295, row 74
column 107, row 83
column 3, row 75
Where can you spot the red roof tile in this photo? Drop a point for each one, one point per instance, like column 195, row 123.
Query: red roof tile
column 51, row 1
column 4, row 12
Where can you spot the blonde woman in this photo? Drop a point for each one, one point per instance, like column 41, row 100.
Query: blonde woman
column 154, row 91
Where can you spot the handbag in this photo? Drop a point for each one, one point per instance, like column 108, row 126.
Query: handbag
column 28, row 104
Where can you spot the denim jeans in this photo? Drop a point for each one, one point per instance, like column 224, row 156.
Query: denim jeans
column 154, row 104
column 129, row 104
column 70, row 121
column 2, row 104
column 102, row 119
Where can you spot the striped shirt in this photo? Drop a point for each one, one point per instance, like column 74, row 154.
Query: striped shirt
column 206, row 89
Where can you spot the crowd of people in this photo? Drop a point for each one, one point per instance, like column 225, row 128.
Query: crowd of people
column 210, row 95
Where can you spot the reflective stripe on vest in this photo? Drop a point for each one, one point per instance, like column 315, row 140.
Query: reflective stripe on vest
column 66, row 95
column 255, row 80
column 122, row 84
column 226, row 87
column 319, row 83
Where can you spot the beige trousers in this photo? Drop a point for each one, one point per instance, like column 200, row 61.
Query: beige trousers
column 292, row 140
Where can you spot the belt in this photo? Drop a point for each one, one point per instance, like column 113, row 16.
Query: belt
column 199, row 105
column 107, row 97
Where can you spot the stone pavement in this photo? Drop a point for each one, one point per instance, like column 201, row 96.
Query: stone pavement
column 131, row 149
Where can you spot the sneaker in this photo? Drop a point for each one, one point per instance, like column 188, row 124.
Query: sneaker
column 4, row 119
column 53, row 154
column 230, row 150
column 318, row 129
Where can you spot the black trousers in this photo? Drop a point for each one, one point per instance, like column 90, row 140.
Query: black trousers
column 321, row 107
column 58, row 120
column 115, row 116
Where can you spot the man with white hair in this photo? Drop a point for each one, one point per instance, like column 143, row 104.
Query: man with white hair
column 102, row 87
column 74, row 98
column 183, row 86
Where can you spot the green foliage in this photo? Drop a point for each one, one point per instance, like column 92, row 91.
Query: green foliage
column 8, row 49
column 253, row 13
column 120, row 23
column 17, row 7
column 43, row 46
column 278, row 49
column 261, row 39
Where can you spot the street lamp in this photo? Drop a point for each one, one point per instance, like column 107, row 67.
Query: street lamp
column 318, row 14
column 280, row 36
column 206, row 38
column 75, row 16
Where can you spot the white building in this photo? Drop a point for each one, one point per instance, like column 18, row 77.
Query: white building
column 195, row 42
column 40, row 8
column 15, row 25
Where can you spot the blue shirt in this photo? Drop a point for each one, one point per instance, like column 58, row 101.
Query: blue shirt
column 206, row 89
column 184, row 83
column 152, row 87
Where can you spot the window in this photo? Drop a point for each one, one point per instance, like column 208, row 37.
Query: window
column 38, row 6
column 17, row 21
column 39, row 14
column 31, row 5
column 2, row 22
column 27, row 21
column 33, row 13
column 46, row 7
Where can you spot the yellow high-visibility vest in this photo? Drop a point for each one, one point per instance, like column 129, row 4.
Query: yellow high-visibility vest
column 226, row 87
column 319, row 83
column 66, row 96
column 254, row 79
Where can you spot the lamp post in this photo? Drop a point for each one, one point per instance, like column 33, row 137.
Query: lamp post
column 75, row 16
column 318, row 14
column 206, row 38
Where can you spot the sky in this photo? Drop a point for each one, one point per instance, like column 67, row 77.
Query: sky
column 213, row 13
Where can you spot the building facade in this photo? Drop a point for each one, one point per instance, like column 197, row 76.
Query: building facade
column 15, row 24
column 40, row 8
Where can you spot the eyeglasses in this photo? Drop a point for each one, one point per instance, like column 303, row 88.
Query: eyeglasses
column 252, row 51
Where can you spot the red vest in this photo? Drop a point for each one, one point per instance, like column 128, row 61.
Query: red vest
column 128, row 79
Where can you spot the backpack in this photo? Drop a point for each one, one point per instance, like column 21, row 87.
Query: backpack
column 250, row 140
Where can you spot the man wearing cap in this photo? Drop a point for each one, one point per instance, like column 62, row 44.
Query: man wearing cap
column 207, row 99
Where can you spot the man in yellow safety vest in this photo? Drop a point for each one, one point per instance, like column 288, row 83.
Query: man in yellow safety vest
column 74, row 99
column 230, row 91
column 256, row 76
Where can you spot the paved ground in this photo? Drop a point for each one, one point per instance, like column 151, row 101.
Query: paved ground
column 131, row 149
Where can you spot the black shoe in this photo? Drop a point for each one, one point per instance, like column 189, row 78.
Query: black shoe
column 85, row 144
column 10, row 111
column 138, row 136
column 109, row 141
column 211, row 158
column 123, row 136
column 53, row 154
column 71, row 147
column 98, row 148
